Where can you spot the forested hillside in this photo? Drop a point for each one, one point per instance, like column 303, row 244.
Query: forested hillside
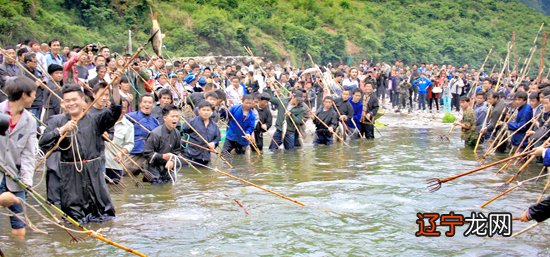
column 457, row 32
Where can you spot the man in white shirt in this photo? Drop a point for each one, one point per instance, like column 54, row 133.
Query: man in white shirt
column 234, row 92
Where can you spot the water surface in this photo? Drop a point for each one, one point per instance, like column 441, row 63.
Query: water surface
column 361, row 200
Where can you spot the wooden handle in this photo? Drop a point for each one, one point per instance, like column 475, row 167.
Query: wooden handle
column 483, row 167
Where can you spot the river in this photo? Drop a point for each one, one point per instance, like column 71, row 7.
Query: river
column 361, row 200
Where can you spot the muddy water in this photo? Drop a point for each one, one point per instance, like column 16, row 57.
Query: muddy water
column 361, row 200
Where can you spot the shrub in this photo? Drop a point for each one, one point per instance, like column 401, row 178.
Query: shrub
column 448, row 118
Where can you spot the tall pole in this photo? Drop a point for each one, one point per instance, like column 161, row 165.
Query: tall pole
column 515, row 52
column 130, row 42
column 542, row 52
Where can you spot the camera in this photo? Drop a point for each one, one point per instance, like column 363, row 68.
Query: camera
column 94, row 48
column 4, row 123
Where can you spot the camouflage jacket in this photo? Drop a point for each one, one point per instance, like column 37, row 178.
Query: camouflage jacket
column 404, row 88
column 469, row 134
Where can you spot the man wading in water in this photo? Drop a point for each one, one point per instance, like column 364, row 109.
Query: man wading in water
column 84, row 193
column 370, row 108
column 241, row 126
column 329, row 117
column 161, row 147
column 143, row 123
column 468, row 122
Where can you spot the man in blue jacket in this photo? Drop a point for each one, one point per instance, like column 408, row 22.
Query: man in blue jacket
column 525, row 113
column 357, row 105
column 422, row 83
column 244, row 116
column 144, row 123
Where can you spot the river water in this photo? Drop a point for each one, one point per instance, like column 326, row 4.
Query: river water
column 361, row 200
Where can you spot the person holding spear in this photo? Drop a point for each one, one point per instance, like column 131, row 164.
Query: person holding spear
column 495, row 115
column 291, row 112
column 85, row 196
column 208, row 129
column 161, row 146
column 241, row 126
column 370, row 109
column 525, row 114
column 468, row 122
column 355, row 123
column 18, row 144
column 123, row 137
column 265, row 119
column 326, row 123
column 539, row 211
column 144, row 122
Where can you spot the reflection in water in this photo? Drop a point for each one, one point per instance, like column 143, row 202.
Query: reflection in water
column 361, row 200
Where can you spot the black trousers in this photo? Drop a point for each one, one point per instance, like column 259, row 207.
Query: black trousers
column 229, row 145
column 323, row 138
column 367, row 130
column 455, row 102
column 259, row 137
column 114, row 175
column 431, row 100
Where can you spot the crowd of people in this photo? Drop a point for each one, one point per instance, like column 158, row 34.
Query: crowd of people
column 98, row 116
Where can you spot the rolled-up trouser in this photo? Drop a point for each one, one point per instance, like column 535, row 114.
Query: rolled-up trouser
column 15, row 222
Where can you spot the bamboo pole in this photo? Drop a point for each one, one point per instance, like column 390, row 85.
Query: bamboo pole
column 34, row 77
column 510, row 190
column 545, row 189
column 89, row 107
column 279, row 98
column 252, row 143
column 542, row 54
column 515, row 52
column 244, row 181
column 480, row 70
column 333, row 132
column 91, row 233
column 513, row 133
column 525, row 229
column 496, row 89
column 435, row 183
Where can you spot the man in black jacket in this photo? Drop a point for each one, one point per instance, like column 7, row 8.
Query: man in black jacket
column 52, row 104
column 30, row 63
column 7, row 69
column 84, row 194
column 162, row 146
column 326, row 123
column 344, row 110
column 265, row 119
column 370, row 108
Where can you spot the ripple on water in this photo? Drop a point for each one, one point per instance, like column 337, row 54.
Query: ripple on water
column 360, row 201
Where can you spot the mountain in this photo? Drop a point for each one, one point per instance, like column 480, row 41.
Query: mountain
column 542, row 6
column 457, row 32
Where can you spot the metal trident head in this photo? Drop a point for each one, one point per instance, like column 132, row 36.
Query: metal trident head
column 434, row 184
